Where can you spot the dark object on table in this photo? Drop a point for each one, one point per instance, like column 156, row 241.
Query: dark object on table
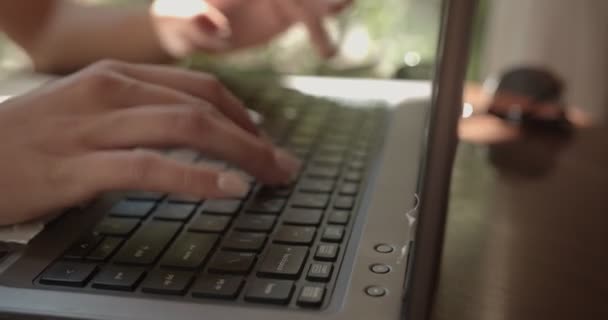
column 531, row 98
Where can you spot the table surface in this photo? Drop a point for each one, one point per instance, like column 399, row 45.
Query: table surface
column 527, row 229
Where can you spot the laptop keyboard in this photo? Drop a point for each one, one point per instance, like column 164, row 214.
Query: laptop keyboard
column 277, row 245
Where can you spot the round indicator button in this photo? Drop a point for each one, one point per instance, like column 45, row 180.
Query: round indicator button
column 375, row 291
column 380, row 268
column 384, row 248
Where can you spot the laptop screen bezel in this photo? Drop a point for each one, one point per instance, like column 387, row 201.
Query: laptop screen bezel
column 440, row 148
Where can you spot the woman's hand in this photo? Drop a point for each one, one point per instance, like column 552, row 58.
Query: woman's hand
column 186, row 26
column 76, row 137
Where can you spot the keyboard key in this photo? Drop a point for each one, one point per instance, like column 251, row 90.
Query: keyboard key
column 176, row 198
column 311, row 296
column 3, row 254
column 283, row 261
column 269, row 291
column 275, row 192
column 255, row 223
column 222, row 206
column 143, row 195
column 118, row 278
column 305, row 217
column 339, row 217
column 83, row 247
column 66, row 273
column 333, row 234
column 232, row 262
column 167, row 282
column 316, row 185
column 116, row 226
column 353, row 176
column 174, row 211
column 147, row 243
column 312, row 201
column 327, row 147
column 217, row 287
column 106, row 248
column 349, row 189
column 344, row 202
column 327, row 160
column 266, row 205
column 189, row 251
column 295, row 235
column 132, row 208
column 319, row 272
column 209, row 223
column 327, row 252
column 326, row 172
column 356, row 165
column 245, row 241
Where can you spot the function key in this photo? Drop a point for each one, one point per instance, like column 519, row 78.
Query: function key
column 319, row 272
column 105, row 249
column 167, row 282
column 269, row 291
column 217, row 287
column 333, row 234
column 174, row 211
column 83, row 246
column 222, row 206
column 232, row 262
column 118, row 278
column 339, row 217
column 65, row 273
column 327, row 252
column 305, row 217
column 311, row 296
column 116, row 226
column 132, row 208
column 295, row 235
column 210, row 223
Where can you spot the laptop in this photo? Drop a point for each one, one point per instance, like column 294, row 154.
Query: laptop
column 358, row 236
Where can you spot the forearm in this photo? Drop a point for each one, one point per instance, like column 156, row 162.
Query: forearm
column 75, row 36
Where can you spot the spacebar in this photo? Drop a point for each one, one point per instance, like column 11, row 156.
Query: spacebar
column 283, row 262
column 147, row 243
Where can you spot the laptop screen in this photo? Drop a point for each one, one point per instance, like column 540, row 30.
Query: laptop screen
column 374, row 39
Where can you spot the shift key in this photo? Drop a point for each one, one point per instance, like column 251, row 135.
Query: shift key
column 283, row 262
column 147, row 243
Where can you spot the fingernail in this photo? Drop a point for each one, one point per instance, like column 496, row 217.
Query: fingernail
column 233, row 184
column 215, row 28
column 287, row 162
